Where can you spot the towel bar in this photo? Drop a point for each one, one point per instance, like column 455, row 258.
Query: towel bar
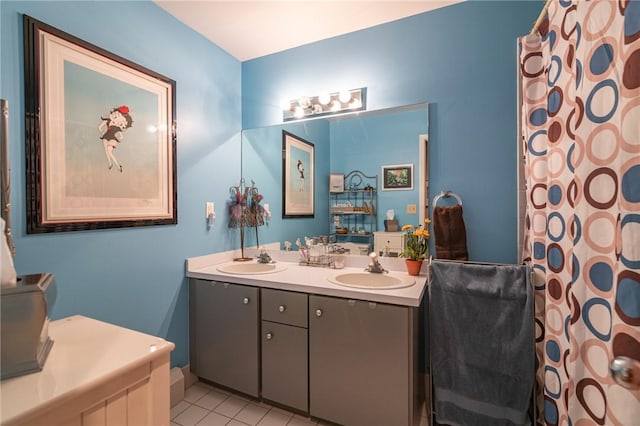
column 478, row 262
column 450, row 408
column 446, row 194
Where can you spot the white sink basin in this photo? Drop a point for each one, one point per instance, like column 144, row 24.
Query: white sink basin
column 372, row 280
column 250, row 268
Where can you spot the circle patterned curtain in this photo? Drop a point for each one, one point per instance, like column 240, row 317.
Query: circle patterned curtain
column 581, row 138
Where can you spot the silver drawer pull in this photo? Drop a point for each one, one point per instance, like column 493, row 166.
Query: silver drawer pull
column 269, row 336
column 245, row 300
column 318, row 312
column 626, row 372
column 282, row 308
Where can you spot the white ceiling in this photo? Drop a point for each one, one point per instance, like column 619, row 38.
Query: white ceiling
column 250, row 29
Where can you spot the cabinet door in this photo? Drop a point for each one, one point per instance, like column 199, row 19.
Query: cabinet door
column 224, row 334
column 359, row 362
column 284, row 364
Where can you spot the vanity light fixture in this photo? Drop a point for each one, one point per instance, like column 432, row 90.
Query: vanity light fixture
column 324, row 104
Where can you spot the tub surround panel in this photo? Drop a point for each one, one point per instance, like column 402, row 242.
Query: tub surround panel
column 93, row 366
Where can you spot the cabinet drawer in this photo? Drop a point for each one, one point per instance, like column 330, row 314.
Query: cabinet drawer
column 285, row 307
column 392, row 240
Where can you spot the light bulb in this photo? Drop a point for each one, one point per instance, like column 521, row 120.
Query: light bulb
column 355, row 103
column 285, row 105
column 298, row 112
column 335, row 106
column 304, row 102
column 317, row 108
column 324, row 98
column 344, row 96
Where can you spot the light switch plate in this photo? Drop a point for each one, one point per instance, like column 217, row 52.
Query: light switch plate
column 411, row 209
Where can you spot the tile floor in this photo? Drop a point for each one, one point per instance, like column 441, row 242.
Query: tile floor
column 205, row 405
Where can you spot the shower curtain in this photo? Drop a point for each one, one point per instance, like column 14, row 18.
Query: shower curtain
column 581, row 142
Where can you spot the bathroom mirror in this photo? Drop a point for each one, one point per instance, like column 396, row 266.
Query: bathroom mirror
column 365, row 141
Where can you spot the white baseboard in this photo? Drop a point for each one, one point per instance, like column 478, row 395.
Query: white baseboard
column 177, row 385
column 189, row 377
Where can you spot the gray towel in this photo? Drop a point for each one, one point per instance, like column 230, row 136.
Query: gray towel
column 481, row 343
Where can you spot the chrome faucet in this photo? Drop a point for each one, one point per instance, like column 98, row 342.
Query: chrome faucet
column 264, row 257
column 374, row 265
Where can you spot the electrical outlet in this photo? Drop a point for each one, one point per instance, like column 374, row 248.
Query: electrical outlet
column 209, row 209
column 411, row 209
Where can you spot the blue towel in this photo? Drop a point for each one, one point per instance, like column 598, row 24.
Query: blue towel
column 481, row 343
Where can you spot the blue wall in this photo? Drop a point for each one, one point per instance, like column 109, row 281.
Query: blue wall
column 371, row 141
column 262, row 163
column 135, row 277
column 460, row 59
column 358, row 142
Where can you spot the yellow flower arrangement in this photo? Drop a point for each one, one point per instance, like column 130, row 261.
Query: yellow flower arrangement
column 417, row 241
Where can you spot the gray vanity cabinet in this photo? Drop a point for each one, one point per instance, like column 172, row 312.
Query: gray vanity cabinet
column 362, row 362
column 284, row 348
column 224, row 339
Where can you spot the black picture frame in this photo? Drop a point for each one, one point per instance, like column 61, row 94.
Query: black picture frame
column 298, row 186
column 397, row 177
column 65, row 185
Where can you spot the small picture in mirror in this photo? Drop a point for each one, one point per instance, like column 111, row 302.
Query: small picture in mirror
column 336, row 182
column 397, row 177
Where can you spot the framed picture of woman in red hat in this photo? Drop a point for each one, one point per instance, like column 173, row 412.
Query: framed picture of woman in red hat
column 297, row 176
column 101, row 143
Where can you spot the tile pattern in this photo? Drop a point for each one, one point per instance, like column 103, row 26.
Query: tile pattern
column 206, row 405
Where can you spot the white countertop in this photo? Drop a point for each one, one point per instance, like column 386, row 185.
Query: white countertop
column 85, row 353
column 313, row 280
